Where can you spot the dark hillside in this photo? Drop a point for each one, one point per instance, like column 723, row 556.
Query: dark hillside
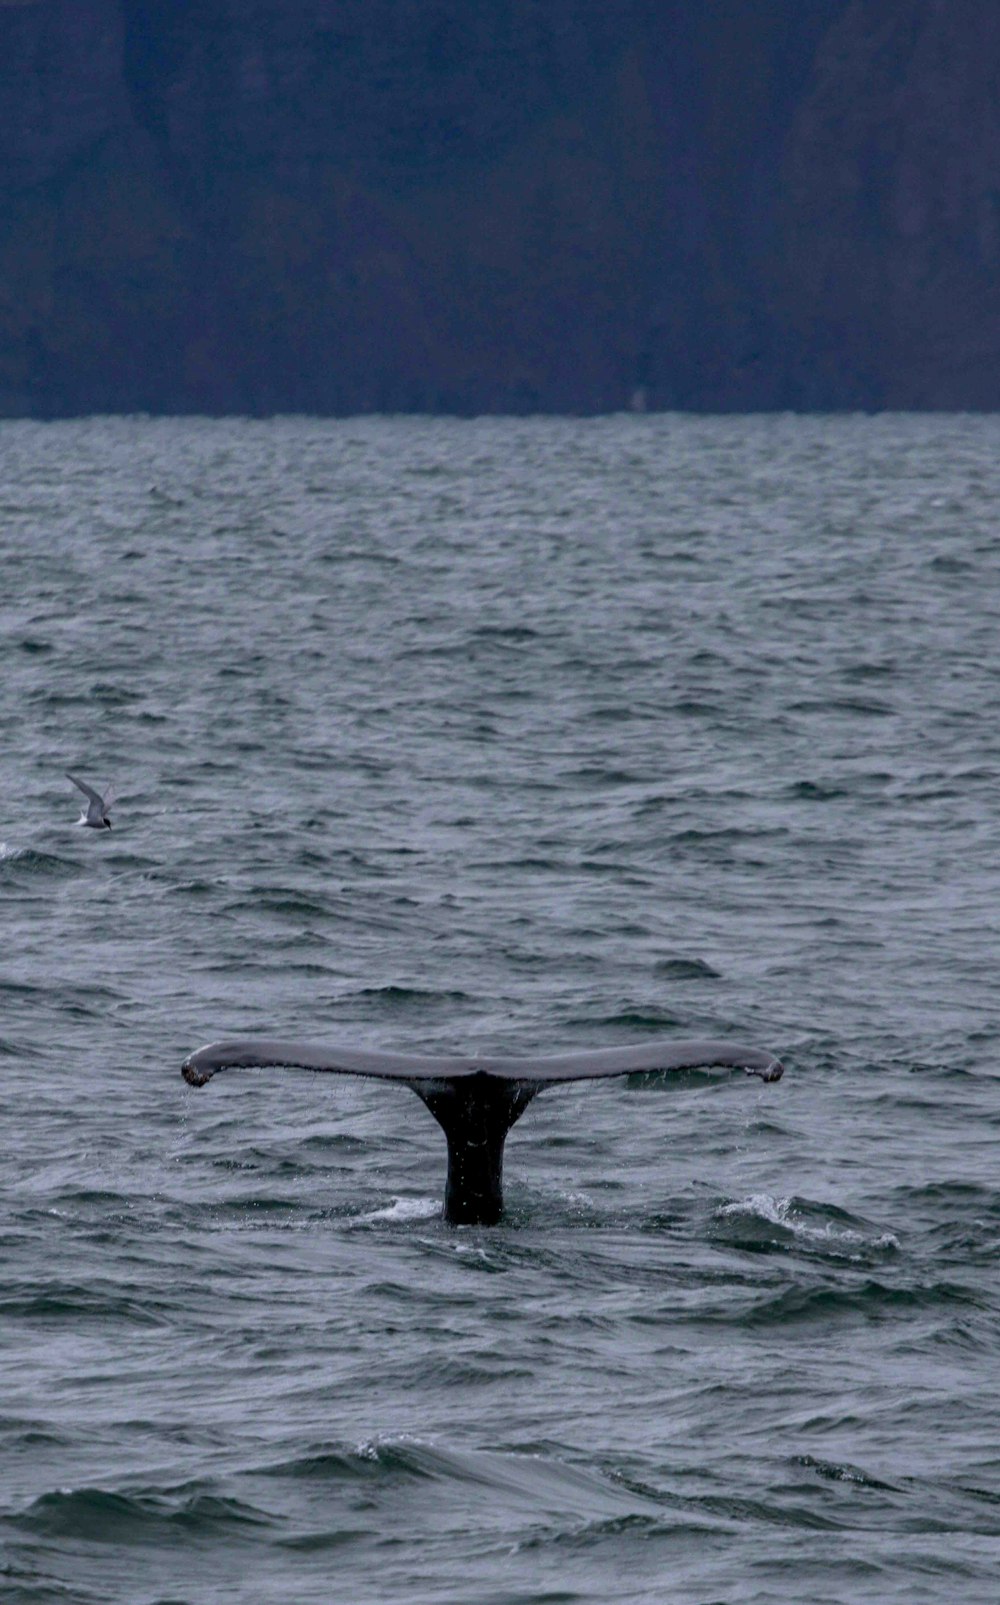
column 354, row 205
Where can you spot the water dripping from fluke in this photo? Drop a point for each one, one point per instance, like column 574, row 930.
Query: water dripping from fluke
column 477, row 1100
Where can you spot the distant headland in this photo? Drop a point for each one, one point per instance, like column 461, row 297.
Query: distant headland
column 346, row 206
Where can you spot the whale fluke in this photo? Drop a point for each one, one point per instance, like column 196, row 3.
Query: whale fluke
column 476, row 1100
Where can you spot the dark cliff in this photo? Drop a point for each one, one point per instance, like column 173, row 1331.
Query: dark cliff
column 360, row 205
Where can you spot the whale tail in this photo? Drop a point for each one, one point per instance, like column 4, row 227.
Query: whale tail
column 476, row 1101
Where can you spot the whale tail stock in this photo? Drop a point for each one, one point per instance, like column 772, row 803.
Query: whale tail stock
column 476, row 1101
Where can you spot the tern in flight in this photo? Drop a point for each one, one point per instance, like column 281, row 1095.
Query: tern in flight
column 97, row 808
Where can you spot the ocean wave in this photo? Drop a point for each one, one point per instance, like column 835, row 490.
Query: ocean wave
column 30, row 861
column 17, row 1048
column 290, row 901
column 139, row 1516
column 765, row 1221
column 64, row 1301
column 639, row 1019
column 868, row 1300
column 838, row 1471
column 686, row 970
column 27, row 1585
column 529, row 1479
column 394, row 996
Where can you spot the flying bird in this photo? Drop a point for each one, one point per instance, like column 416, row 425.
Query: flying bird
column 97, row 808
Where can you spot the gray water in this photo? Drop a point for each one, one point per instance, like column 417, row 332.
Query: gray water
column 501, row 737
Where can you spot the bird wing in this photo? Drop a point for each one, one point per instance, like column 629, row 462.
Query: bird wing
column 88, row 791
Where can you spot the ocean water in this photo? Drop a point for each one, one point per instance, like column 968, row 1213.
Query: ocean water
column 501, row 736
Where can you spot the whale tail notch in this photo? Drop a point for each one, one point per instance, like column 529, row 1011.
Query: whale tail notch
column 476, row 1101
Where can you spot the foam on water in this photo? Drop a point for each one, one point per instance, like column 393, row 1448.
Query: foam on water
column 783, row 1213
column 403, row 1209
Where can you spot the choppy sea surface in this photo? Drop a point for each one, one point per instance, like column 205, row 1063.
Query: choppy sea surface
column 501, row 736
